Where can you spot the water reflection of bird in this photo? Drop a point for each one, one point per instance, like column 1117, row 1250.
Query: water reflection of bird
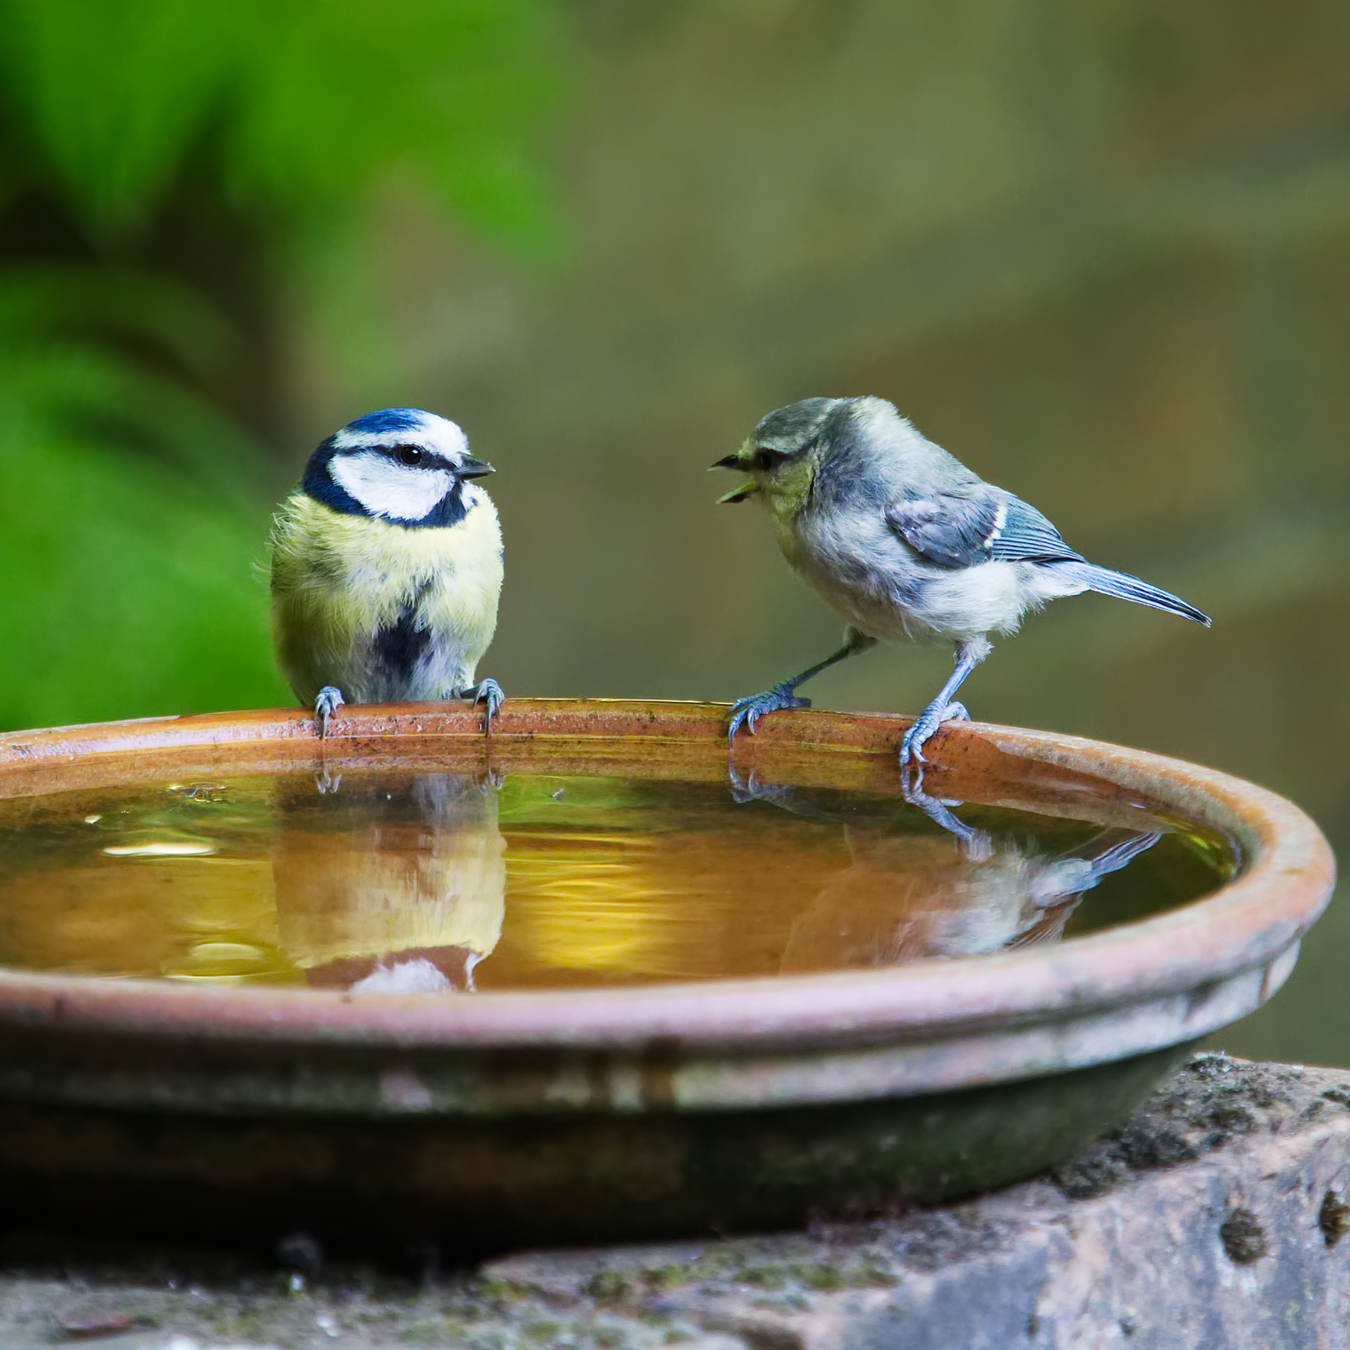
column 907, row 897
column 910, row 897
column 904, row 540
column 387, row 567
column 391, row 887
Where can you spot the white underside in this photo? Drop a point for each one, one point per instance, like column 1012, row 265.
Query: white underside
column 858, row 565
column 417, row 976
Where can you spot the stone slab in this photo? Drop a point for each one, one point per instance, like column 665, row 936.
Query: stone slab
column 1217, row 1218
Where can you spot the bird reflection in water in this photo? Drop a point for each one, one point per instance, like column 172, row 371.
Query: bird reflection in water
column 911, row 897
column 391, row 886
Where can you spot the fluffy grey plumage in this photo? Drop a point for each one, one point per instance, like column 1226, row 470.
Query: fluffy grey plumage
column 904, row 540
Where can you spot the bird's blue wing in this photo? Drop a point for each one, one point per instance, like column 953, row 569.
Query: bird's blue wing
column 952, row 528
column 1025, row 533
column 976, row 523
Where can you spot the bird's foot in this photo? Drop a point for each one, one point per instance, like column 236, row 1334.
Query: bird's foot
column 489, row 693
column 325, row 705
column 747, row 711
column 928, row 721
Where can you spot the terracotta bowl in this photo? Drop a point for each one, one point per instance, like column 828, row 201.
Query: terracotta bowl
column 512, row 1117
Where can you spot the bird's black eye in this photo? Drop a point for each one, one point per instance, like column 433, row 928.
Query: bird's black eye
column 768, row 459
column 409, row 454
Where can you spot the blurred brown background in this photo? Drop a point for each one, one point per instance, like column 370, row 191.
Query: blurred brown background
column 1099, row 251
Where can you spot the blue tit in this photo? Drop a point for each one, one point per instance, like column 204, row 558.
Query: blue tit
column 387, row 568
column 905, row 541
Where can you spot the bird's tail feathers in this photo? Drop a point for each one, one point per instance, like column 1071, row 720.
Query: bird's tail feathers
column 1119, row 854
column 1125, row 587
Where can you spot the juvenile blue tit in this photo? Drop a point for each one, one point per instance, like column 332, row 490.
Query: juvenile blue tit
column 905, row 541
column 387, row 568
column 950, row 904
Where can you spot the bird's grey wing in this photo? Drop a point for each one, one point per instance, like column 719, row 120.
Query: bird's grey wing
column 976, row 523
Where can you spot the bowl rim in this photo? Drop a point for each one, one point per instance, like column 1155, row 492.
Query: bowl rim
column 1250, row 925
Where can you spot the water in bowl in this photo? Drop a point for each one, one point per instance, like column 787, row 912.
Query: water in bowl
column 437, row 883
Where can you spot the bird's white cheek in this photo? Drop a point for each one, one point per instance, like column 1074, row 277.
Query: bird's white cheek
column 390, row 490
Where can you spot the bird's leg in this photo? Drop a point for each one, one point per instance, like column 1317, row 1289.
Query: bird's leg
column 489, row 693
column 978, row 846
column 943, row 708
column 747, row 711
column 329, row 700
column 750, row 789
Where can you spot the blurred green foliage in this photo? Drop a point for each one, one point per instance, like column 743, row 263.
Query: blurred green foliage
column 171, row 175
column 299, row 107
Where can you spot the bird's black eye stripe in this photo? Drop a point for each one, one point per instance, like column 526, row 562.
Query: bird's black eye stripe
column 409, row 454
column 768, row 459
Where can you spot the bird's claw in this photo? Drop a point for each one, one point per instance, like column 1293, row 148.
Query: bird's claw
column 489, row 693
column 747, row 711
column 329, row 700
column 911, row 746
column 923, row 727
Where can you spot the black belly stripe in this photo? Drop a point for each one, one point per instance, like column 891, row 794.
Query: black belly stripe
column 398, row 648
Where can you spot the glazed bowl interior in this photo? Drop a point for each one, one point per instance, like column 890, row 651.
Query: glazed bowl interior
column 799, row 767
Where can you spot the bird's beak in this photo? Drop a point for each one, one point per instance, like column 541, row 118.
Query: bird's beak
column 739, row 494
column 736, row 494
column 473, row 468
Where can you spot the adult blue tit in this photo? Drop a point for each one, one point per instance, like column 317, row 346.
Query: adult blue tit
column 387, row 568
column 905, row 541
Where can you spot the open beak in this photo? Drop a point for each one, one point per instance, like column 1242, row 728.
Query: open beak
column 736, row 494
column 739, row 494
column 473, row 468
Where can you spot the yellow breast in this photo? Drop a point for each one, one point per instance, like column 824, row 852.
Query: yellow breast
column 338, row 580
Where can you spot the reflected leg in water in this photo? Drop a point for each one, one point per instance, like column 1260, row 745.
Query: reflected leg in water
column 750, row 789
column 977, row 843
column 979, row 846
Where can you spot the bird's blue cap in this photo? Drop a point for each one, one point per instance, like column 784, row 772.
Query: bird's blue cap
column 389, row 420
